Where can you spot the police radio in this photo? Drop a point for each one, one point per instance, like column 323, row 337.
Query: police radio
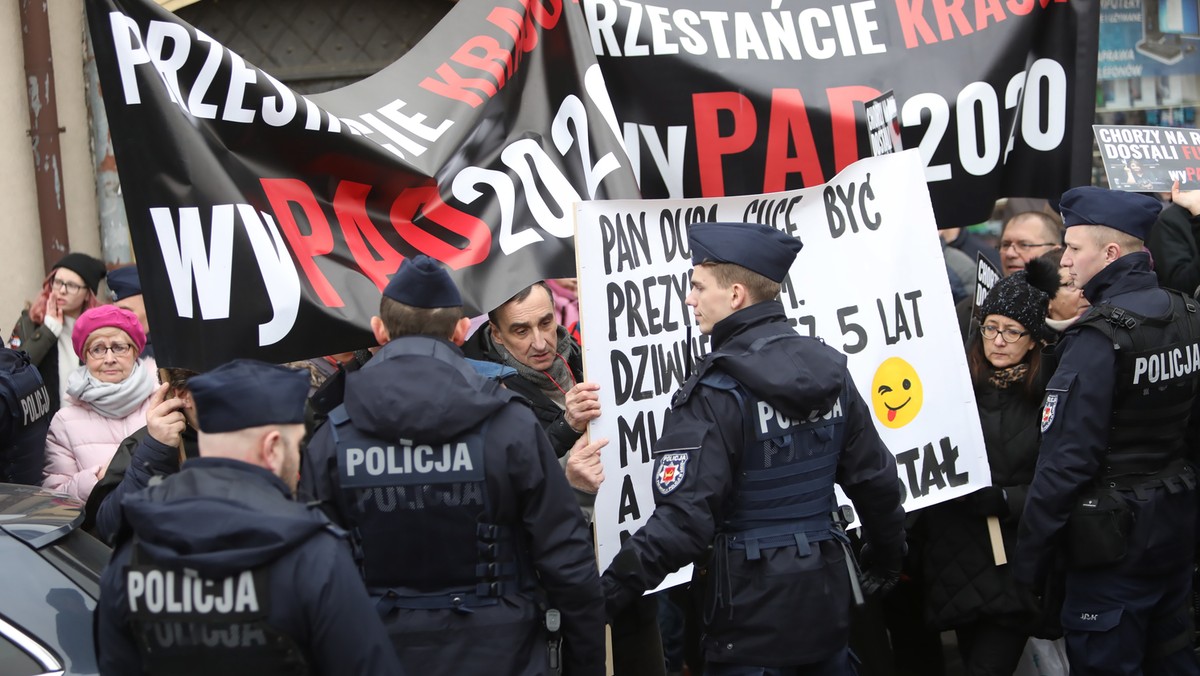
column 553, row 625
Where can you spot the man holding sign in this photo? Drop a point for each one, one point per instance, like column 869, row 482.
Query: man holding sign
column 750, row 451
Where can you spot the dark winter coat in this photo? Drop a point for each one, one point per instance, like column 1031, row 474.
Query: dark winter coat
column 421, row 388
column 1174, row 242
column 139, row 458
column 962, row 579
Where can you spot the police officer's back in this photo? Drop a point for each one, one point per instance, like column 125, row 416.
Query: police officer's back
column 746, row 464
column 24, row 419
column 218, row 571
column 464, row 515
column 1113, row 493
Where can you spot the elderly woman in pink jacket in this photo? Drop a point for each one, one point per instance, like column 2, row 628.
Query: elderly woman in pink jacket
column 107, row 399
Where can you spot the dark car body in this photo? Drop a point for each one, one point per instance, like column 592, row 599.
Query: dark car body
column 49, row 584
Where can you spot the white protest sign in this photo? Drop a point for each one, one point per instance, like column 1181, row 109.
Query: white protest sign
column 870, row 281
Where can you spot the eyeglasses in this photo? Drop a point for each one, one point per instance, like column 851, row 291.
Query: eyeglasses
column 1024, row 246
column 118, row 349
column 989, row 332
column 69, row 287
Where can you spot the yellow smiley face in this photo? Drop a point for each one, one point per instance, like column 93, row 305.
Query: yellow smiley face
column 896, row 393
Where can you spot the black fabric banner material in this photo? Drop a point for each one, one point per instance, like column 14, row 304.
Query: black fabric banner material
column 266, row 222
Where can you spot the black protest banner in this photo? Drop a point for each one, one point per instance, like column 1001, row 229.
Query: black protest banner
column 1140, row 159
column 265, row 222
column 720, row 99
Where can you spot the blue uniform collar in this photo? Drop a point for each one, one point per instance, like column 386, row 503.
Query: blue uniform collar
column 426, row 346
column 746, row 319
column 1127, row 273
column 255, row 471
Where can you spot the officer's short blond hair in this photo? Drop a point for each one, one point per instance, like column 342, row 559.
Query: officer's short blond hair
column 757, row 286
column 1104, row 234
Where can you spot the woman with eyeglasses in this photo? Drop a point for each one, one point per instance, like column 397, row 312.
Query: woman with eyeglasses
column 107, row 399
column 966, row 590
column 44, row 329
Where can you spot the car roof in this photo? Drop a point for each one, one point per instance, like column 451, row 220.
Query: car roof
column 37, row 516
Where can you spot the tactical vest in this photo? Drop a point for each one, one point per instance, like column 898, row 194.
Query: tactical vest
column 23, row 432
column 187, row 625
column 452, row 554
column 783, row 493
column 1158, row 367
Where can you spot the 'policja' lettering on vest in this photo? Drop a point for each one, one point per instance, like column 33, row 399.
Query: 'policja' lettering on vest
column 771, row 420
column 35, row 406
column 201, row 634
column 172, row 592
column 1167, row 365
column 408, row 459
column 391, row 498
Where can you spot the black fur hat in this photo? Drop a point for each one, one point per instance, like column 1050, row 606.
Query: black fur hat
column 1024, row 296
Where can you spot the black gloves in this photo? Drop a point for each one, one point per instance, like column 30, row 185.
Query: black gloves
column 879, row 576
column 989, row 501
column 875, row 581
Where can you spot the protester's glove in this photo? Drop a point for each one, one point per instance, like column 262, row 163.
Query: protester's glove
column 880, row 575
column 988, row 501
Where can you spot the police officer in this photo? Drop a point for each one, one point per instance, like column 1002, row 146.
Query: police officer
column 745, row 471
column 219, row 571
column 1112, row 492
column 24, row 418
column 464, row 516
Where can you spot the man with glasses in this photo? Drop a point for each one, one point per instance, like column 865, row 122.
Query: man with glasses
column 1026, row 236
column 1113, row 493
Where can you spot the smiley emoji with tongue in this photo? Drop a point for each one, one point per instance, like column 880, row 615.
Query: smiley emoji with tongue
column 896, row 393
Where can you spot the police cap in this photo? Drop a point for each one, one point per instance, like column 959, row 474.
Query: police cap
column 423, row 283
column 1129, row 212
column 756, row 247
column 124, row 282
column 247, row 393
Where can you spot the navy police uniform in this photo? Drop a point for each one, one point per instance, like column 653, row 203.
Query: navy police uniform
column 467, row 525
column 744, row 477
column 25, row 415
column 226, row 574
column 218, row 570
column 1113, row 494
